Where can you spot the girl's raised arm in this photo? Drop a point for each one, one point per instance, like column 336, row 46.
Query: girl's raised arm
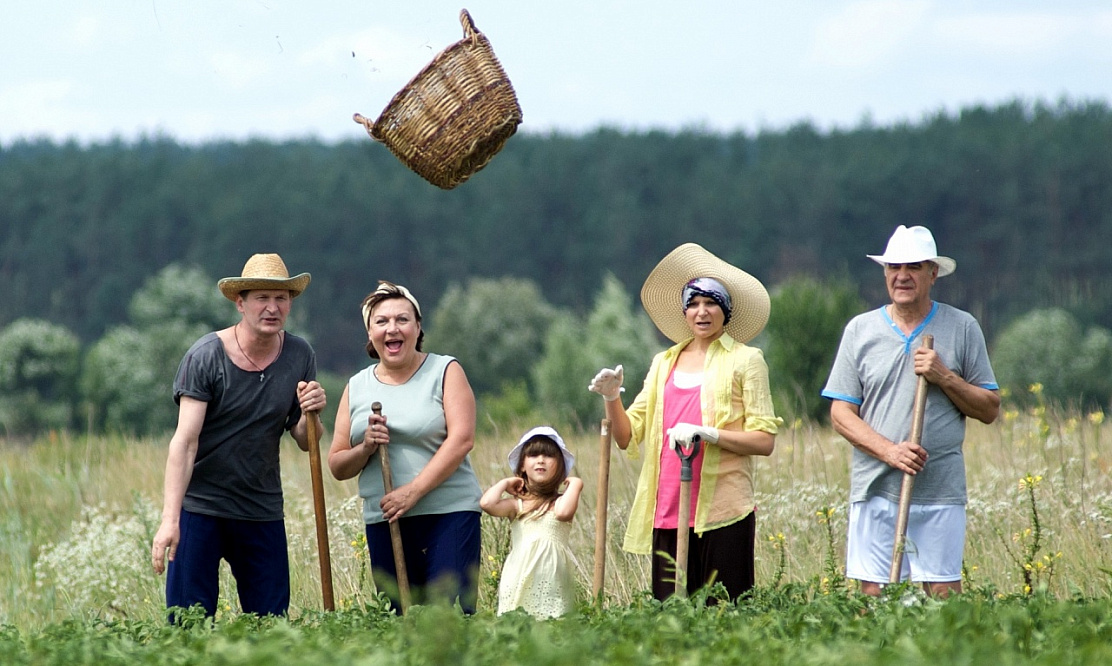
column 567, row 503
column 502, row 507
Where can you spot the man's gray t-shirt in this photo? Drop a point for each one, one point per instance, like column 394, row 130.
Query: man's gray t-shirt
column 874, row 370
column 236, row 473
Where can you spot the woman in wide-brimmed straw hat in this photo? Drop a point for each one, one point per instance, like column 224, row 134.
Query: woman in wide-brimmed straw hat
column 709, row 386
column 238, row 389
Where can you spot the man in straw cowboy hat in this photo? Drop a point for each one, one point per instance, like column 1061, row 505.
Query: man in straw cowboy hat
column 872, row 388
column 237, row 390
column 712, row 385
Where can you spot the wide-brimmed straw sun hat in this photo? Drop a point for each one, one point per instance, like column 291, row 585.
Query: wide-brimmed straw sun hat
column 544, row 431
column 912, row 245
column 263, row 271
column 662, row 293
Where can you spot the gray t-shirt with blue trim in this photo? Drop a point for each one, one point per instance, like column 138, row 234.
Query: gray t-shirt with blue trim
column 874, row 370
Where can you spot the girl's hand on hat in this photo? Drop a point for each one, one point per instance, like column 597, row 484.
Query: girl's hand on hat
column 515, row 486
column 608, row 383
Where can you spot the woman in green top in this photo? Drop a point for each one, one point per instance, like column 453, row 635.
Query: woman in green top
column 428, row 421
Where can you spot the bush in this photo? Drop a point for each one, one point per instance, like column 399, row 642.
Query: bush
column 496, row 328
column 39, row 363
column 1049, row 347
column 129, row 373
column 803, row 331
column 614, row 334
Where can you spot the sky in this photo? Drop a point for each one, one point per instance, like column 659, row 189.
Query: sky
column 207, row 70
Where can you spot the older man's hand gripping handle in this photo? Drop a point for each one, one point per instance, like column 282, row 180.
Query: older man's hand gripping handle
column 395, row 527
column 908, row 483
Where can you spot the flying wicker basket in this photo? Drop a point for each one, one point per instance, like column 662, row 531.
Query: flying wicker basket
column 454, row 116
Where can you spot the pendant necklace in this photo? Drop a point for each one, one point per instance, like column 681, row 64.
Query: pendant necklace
column 262, row 373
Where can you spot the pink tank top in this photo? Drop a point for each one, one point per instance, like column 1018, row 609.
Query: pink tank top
column 681, row 405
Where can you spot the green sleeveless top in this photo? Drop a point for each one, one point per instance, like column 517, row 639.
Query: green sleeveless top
column 414, row 413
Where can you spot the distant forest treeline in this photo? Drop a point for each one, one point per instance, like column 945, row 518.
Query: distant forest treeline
column 1019, row 194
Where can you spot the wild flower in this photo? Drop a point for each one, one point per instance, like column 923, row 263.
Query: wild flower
column 1035, row 567
column 105, row 564
column 834, row 576
column 778, row 544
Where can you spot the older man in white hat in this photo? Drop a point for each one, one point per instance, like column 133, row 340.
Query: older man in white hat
column 872, row 387
column 238, row 390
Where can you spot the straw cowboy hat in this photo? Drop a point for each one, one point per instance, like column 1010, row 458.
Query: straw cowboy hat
column 662, row 293
column 912, row 245
column 263, row 271
column 544, row 431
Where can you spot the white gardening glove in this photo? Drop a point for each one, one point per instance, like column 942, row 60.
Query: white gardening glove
column 608, row 383
column 682, row 434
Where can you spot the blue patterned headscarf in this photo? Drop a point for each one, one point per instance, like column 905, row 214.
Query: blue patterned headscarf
column 711, row 288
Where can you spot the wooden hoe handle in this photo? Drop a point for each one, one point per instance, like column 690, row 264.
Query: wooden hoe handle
column 395, row 528
column 600, row 510
column 320, row 512
column 908, row 483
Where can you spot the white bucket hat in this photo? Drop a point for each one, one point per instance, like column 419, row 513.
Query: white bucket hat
column 910, row 245
column 544, row 431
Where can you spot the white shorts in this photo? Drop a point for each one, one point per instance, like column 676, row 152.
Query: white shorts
column 934, row 547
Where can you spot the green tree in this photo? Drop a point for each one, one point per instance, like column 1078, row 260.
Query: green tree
column 1050, row 347
column 180, row 293
column 39, row 363
column 129, row 373
column 120, row 382
column 614, row 334
column 804, row 328
column 496, row 328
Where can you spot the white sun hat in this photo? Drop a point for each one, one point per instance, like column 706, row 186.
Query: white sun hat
column 911, row 245
column 542, row 431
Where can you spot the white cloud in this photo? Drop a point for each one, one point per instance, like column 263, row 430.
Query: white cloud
column 238, row 70
column 866, row 34
column 26, row 105
column 1011, row 35
column 84, row 32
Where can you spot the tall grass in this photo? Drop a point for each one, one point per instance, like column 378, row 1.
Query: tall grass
column 77, row 516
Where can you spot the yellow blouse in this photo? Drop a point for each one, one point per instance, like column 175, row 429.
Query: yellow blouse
column 735, row 396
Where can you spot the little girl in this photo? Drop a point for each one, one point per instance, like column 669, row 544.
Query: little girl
column 539, row 573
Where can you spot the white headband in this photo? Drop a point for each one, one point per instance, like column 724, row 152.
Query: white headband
column 388, row 289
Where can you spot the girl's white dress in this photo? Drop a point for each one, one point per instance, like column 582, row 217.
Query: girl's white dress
column 539, row 573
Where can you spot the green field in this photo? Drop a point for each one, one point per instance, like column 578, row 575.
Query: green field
column 76, row 587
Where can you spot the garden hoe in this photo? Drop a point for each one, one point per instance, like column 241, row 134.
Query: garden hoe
column 600, row 510
column 908, row 483
column 395, row 528
column 683, row 530
column 319, row 511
